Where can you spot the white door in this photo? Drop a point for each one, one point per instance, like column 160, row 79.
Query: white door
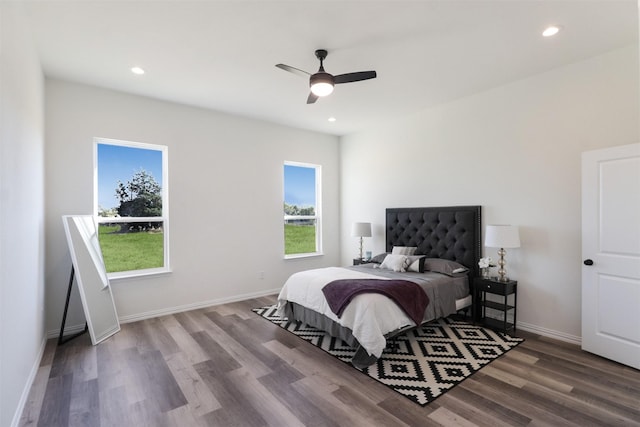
column 611, row 253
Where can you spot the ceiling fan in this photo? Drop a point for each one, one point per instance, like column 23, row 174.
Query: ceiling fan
column 321, row 83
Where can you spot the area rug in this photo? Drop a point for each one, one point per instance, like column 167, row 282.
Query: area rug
column 421, row 364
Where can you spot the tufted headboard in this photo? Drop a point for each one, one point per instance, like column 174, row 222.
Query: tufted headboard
column 449, row 232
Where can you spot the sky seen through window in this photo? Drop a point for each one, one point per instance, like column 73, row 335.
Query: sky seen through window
column 300, row 185
column 116, row 162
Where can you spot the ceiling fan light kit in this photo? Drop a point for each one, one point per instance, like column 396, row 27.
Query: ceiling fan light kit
column 322, row 83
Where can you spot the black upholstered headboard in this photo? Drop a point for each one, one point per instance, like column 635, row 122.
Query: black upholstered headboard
column 449, row 232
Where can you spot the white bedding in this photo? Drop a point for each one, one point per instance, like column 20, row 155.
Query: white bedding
column 369, row 316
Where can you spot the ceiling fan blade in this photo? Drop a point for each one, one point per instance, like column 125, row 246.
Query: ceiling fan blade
column 293, row 70
column 354, row 77
column 312, row 98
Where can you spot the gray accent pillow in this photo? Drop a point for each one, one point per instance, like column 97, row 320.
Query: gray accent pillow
column 379, row 258
column 404, row 250
column 445, row 266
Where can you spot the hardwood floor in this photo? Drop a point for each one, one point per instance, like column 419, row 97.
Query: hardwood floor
column 226, row 366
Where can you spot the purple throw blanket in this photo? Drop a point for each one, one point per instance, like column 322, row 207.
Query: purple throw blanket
column 409, row 296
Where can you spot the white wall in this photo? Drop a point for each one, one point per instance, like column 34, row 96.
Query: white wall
column 515, row 150
column 21, row 212
column 225, row 197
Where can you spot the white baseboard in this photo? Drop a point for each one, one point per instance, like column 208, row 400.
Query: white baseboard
column 28, row 384
column 201, row 304
column 573, row 339
column 68, row 330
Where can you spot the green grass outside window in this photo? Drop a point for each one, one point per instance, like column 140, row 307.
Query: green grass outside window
column 299, row 239
column 130, row 251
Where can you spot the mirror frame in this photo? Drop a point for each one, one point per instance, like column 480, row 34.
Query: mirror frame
column 91, row 276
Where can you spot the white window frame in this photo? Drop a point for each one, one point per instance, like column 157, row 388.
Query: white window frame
column 318, row 209
column 165, row 204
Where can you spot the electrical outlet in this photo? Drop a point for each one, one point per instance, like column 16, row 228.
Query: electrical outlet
column 261, row 275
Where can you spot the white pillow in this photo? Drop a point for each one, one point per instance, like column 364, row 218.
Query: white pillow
column 395, row 263
column 404, row 250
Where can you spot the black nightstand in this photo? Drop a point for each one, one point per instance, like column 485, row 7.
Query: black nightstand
column 358, row 261
column 482, row 287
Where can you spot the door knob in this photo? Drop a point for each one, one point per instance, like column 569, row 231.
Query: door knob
column 588, row 262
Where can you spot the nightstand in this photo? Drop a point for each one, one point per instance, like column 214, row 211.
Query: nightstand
column 507, row 291
column 358, row 261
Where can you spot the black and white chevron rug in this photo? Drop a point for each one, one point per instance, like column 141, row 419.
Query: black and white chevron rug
column 425, row 362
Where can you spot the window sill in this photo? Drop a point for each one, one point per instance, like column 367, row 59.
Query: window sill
column 297, row 256
column 124, row 275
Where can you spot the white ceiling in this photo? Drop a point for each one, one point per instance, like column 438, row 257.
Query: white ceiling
column 221, row 55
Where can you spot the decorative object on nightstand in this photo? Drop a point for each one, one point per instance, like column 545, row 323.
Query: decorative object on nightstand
column 361, row 229
column 482, row 287
column 502, row 236
column 485, row 264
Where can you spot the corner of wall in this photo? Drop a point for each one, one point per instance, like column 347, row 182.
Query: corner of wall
column 21, row 212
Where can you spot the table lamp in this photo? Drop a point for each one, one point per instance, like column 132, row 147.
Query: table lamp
column 361, row 229
column 502, row 236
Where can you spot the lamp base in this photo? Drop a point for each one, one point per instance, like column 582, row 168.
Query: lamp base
column 502, row 272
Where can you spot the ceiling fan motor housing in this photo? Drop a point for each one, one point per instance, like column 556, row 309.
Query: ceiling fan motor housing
column 321, row 77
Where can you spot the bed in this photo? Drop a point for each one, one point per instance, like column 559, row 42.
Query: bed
column 449, row 241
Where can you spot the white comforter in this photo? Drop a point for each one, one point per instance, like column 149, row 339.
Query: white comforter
column 369, row 316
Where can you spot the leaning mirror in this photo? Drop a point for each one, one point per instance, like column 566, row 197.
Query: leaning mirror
column 91, row 276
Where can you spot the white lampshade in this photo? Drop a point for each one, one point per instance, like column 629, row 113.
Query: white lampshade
column 502, row 236
column 361, row 229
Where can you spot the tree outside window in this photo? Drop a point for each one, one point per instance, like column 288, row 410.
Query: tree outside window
column 131, row 206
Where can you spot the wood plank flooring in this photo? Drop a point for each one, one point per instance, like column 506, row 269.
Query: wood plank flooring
column 226, row 366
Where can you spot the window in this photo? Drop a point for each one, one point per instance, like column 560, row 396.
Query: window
column 131, row 206
column 302, row 213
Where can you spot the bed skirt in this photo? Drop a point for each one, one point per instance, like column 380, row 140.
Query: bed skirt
column 294, row 311
column 361, row 359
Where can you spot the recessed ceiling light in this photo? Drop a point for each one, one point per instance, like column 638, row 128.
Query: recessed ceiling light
column 137, row 70
column 551, row 31
column 332, row 119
